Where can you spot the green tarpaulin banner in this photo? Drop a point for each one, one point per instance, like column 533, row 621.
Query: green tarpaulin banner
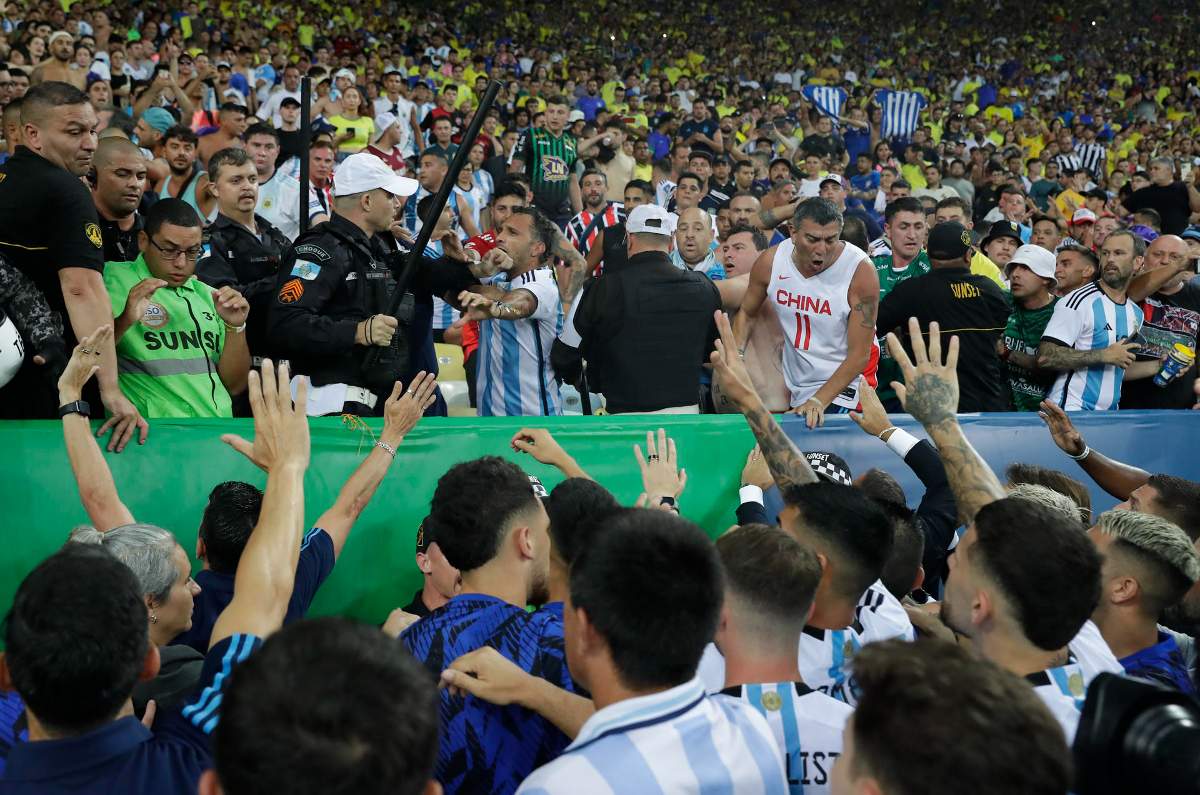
column 167, row 482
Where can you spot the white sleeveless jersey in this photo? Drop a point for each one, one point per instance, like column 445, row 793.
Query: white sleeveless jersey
column 815, row 316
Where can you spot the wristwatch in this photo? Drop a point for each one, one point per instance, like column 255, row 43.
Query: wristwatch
column 76, row 407
column 669, row 502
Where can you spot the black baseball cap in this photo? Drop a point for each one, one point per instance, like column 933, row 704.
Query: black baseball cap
column 949, row 240
column 424, row 535
column 290, row 102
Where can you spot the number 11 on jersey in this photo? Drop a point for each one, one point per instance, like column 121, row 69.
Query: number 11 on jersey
column 803, row 332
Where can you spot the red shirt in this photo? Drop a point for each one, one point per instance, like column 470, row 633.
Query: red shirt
column 481, row 244
column 394, row 159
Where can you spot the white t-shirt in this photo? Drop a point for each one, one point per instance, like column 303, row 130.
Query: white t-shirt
column 279, row 203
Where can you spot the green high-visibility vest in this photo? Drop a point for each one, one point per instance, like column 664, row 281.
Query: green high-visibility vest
column 167, row 362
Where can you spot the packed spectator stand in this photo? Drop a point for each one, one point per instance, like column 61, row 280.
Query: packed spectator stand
column 901, row 213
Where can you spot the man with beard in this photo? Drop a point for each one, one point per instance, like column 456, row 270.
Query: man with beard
column 242, row 249
column 1087, row 339
column 58, row 68
column 499, row 540
column 186, row 181
column 118, row 179
column 598, row 213
column 1023, row 581
column 1002, row 241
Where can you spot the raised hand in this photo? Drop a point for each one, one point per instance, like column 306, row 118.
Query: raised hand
column 661, row 475
column 402, row 409
column 231, row 306
column 756, row 472
column 873, row 418
column 280, row 425
column 728, row 367
column 139, row 299
column 539, row 443
column 84, row 363
column 930, row 389
column 1062, row 430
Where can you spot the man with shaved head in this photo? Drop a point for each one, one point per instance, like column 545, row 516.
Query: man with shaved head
column 118, row 180
column 49, row 230
column 1172, row 318
column 693, row 244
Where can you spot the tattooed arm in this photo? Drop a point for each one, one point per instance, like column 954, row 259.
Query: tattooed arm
column 930, row 394
column 787, row 464
column 575, row 261
column 1052, row 356
column 863, row 296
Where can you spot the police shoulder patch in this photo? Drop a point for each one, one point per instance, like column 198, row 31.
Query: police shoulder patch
column 291, row 291
column 306, row 270
column 313, row 251
column 92, row 231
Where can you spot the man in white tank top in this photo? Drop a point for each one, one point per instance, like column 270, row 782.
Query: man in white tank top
column 825, row 295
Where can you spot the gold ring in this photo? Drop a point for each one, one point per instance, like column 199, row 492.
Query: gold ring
column 85, row 350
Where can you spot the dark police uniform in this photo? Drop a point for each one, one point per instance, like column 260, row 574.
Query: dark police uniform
column 47, row 223
column 236, row 257
column 121, row 245
column 333, row 277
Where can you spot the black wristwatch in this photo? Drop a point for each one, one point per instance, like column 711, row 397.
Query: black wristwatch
column 669, row 502
column 78, row 407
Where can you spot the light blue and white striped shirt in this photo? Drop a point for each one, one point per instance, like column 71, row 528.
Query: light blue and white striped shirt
column 444, row 315
column 828, row 99
column 676, row 741
column 515, row 378
column 901, row 112
column 1087, row 320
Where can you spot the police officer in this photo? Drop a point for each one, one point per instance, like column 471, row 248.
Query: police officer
column 242, row 249
column 49, row 230
column 334, row 291
column 118, row 180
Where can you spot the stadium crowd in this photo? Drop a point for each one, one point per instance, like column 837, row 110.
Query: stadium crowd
column 931, row 209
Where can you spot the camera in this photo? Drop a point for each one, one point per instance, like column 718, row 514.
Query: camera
column 1136, row 736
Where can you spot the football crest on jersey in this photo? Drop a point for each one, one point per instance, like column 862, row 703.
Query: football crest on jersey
column 771, row 701
column 154, row 316
column 1075, row 684
column 554, row 169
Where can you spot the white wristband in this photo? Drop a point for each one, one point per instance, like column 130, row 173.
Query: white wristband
column 901, row 441
column 750, row 494
column 1086, row 452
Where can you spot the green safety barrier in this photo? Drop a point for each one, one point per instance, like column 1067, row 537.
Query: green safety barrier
column 167, row 482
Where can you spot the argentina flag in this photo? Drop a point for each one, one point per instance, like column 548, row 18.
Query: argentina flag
column 828, row 99
column 901, row 112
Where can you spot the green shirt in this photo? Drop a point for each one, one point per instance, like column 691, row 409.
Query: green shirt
column 167, row 362
column 889, row 277
column 1023, row 334
column 550, row 166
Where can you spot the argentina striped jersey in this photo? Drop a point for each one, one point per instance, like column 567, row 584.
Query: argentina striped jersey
column 828, row 99
column 677, row 741
column 515, row 378
column 1087, row 320
column 807, row 726
column 901, row 112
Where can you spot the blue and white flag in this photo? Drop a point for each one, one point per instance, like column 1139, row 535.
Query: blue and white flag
column 828, row 99
column 901, row 112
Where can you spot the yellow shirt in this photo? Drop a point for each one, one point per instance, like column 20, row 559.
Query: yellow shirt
column 1033, row 146
column 981, row 265
column 914, row 175
column 362, row 128
column 1069, row 209
column 999, row 110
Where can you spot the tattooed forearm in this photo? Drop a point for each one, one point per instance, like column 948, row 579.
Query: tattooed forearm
column 788, row 466
column 1057, row 357
column 867, row 309
column 973, row 482
column 575, row 261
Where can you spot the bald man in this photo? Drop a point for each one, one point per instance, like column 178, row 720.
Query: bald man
column 1172, row 317
column 118, row 180
column 693, row 244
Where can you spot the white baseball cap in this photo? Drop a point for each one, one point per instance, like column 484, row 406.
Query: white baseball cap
column 1036, row 258
column 574, row 116
column 346, row 73
column 1083, row 216
column 364, row 171
column 383, row 122
column 649, row 219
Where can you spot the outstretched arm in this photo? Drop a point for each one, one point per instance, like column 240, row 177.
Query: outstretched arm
column 266, row 572
column 1114, row 477
column 1052, row 356
column 541, row 444
column 97, row 491
column 930, row 394
column 788, row 465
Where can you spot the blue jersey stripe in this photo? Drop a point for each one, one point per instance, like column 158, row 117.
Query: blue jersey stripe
column 765, row 754
column 510, row 351
column 202, row 713
column 622, row 766
column 1123, row 332
column 483, row 380
column 791, row 738
column 696, row 737
column 1095, row 374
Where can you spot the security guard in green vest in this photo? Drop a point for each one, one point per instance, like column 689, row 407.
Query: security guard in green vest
column 181, row 346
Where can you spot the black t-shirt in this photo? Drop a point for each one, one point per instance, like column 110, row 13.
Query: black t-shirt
column 120, row 245
column 823, row 146
column 1170, row 319
column 707, row 127
column 1171, row 202
column 968, row 306
column 47, row 223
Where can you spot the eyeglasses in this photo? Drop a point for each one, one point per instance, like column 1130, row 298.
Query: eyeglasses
column 171, row 253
